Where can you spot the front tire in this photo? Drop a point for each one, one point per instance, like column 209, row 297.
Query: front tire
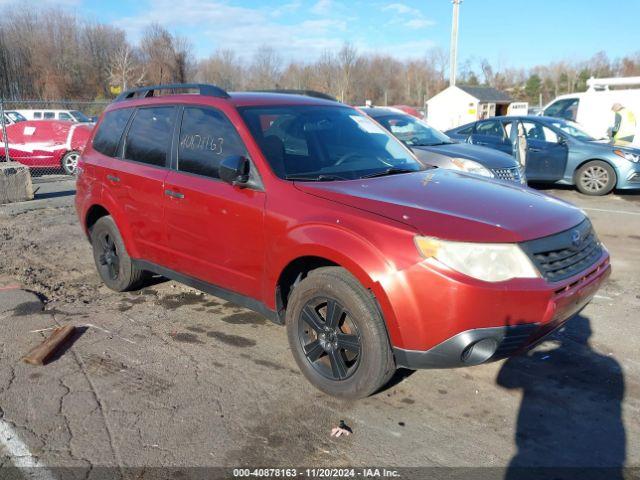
column 114, row 265
column 337, row 335
column 596, row 178
column 69, row 162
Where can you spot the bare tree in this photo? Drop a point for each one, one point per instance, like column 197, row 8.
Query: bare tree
column 264, row 72
column 347, row 58
column 125, row 69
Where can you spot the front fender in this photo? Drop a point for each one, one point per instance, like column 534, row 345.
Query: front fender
column 354, row 253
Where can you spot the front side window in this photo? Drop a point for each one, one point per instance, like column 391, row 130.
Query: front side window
column 149, row 137
column 110, row 131
column 536, row 131
column 65, row 116
column 492, row 128
column 312, row 143
column 49, row 115
column 206, row 137
column 412, row 131
column 37, row 115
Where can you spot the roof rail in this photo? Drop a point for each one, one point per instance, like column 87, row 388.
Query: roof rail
column 203, row 89
column 306, row 93
column 605, row 83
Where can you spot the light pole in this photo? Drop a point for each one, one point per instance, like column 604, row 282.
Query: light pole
column 453, row 56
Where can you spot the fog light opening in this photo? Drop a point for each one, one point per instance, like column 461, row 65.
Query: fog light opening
column 479, row 352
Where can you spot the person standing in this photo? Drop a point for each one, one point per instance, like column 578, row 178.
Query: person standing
column 624, row 128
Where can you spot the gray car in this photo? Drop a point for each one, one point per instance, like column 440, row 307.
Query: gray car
column 434, row 148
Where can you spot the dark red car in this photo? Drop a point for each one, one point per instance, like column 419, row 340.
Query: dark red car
column 310, row 213
column 47, row 144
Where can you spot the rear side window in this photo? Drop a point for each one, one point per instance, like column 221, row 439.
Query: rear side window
column 37, row 115
column 110, row 130
column 49, row 115
column 491, row 128
column 466, row 130
column 206, row 137
column 149, row 137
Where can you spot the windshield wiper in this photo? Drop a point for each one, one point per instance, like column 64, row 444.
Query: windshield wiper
column 318, row 178
column 389, row 171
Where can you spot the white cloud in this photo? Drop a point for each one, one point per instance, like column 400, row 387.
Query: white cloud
column 242, row 29
column 401, row 8
column 419, row 23
column 323, row 7
column 407, row 16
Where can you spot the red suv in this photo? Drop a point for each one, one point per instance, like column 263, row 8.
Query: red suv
column 311, row 214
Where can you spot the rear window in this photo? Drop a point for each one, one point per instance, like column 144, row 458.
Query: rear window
column 149, row 136
column 110, row 131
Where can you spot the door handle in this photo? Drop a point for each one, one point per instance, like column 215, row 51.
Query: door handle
column 531, row 149
column 173, row 194
column 113, row 178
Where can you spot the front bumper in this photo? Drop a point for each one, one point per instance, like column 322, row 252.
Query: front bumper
column 628, row 176
column 526, row 321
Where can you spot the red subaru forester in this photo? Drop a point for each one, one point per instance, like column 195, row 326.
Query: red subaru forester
column 308, row 212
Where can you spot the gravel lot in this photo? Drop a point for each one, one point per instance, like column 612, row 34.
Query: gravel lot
column 168, row 376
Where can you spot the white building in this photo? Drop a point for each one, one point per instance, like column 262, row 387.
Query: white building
column 457, row 105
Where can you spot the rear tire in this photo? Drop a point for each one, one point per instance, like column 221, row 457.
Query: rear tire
column 347, row 354
column 114, row 265
column 69, row 162
column 596, row 178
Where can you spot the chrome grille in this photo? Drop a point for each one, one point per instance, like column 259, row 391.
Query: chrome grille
column 509, row 174
column 565, row 254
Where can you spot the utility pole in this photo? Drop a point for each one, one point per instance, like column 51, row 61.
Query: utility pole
column 453, row 56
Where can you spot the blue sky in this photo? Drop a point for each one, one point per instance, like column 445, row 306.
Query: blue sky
column 520, row 33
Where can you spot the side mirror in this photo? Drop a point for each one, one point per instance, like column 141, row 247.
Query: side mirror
column 234, row 170
column 562, row 140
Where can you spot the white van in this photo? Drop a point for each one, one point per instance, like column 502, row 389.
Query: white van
column 75, row 116
column 592, row 109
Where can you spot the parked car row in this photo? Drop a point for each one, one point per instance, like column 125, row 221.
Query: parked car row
column 313, row 214
column 47, row 145
column 558, row 151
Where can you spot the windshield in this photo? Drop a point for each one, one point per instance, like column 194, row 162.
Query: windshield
column 573, row 129
column 317, row 143
column 412, row 131
column 15, row 117
column 79, row 116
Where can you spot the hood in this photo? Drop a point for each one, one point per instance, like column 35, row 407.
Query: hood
column 487, row 157
column 453, row 205
column 607, row 146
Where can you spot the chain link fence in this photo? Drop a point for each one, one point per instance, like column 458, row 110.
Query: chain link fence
column 47, row 136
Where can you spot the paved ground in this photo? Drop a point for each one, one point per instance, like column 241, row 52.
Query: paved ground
column 170, row 377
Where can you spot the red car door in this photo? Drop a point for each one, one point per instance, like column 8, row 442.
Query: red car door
column 137, row 179
column 214, row 229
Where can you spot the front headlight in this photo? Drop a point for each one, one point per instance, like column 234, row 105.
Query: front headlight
column 632, row 157
column 491, row 262
column 471, row 167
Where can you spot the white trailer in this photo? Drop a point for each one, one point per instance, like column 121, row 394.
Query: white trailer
column 592, row 109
